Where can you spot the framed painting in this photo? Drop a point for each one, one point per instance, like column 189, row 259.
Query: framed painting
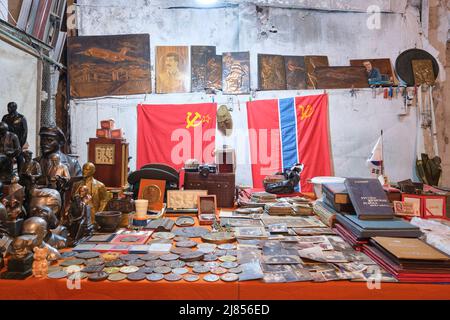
column 295, row 72
column 200, row 55
column 311, row 63
column 236, row 72
column 214, row 73
column 271, row 72
column 172, row 69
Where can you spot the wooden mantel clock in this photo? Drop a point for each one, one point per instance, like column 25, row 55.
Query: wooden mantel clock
column 110, row 157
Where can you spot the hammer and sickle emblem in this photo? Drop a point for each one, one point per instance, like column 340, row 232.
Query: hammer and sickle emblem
column 193, row 122
column 306, row 112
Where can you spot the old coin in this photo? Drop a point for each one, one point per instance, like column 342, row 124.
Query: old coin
column 77, row 276
column 229, row 277
column 172, row 277
column 211, row 278
column 231, row 253
column 227, row 258
column 154, row 264
column 180, row 271
column 110, row 256
column 111, row 270
column 68, row 254
column 236, row 270
column 219, row 237
column 193, row 264
column 179, row 239
column 92, row 269
column 169, row 257
column 210, row 257
column 162, row 270
column 57, row 275
column 220, row 253
column 88, row 255
column 129, row 269
column 191, row 277
column 95, row 262
column 52, row 269
column 117, row 277
column 212, row 264
column 163, row 235
column 115, row 263
column 72, row 262
column 137, row 263
column 201, row 269
column 146, row 270
column 136, row 276
column 185, row 222
column 180, row 251
column 229, row 265
column 191, row 232
column 227, row 246
column 155, row 277
column 193, row 256
column 219, row 270
column 129, row 257
column 150, row 257
column 176, row 264
column 98, row 276
column 206, row 247
column 186, row 244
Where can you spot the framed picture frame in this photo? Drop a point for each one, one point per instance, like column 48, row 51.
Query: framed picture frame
column 153, row 191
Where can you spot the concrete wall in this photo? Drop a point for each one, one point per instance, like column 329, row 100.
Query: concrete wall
column 355, row 122
column 19, row 83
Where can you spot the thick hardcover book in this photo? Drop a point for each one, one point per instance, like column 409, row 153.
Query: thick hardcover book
column 369, row 199
column 337, row 192
column 343, row 208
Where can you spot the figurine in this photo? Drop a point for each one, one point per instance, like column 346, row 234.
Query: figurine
column 9, row 150
column 38, row 227
column 40, row 263
column 20, row 263
column 52, row 140
column 17, row 124
column 79, row 220
column 22, row 246
column 57, row 174
column 15, row 212
column 96, row 189
column 47, row 198
column 53, row 238
column 30, row 168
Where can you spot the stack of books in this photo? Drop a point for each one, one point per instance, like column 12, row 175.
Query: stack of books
column 263, row 197
column 279, row 209
column 410, row 260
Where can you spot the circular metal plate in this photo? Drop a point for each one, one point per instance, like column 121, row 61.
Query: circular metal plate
column 403, row 64
column 111, row 270
column 193, row 256
column 162, row 270
column 206, row 247
column 117, row 277
column 227, row 246
column 57, row 275
column 229, row 265
column 155, row 277
column 178, row 239
column 98, row 276
column 68, row 254
column 185, row 222
column 129, row 257
column 212, row 264
column 72, row 262
column 137, row 263
column 172, row 277
column 169, row 257
column 201, row 269
column 211, row 278
column 210, row 257
column 219, row 237
column 163, row 235
column 186, row 244
column 193, row 264
column 95, row 262
column 227, row 258
column 229, row 277
column 92, row 269
column 180, row 251
column 115, row 263
column 129, row 269
column 146, row 270
column 236, row 270
column 176, row 264
column 77, row 276
column 149, row 257
column 137, row 276
column 180, row 271
column 191, row 277
column 156, row 263
column 87, row 255
column 219, row 270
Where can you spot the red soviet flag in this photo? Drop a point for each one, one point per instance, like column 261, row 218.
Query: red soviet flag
column 172, row 134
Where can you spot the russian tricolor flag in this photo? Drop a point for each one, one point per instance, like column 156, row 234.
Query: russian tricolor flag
column 285, row 132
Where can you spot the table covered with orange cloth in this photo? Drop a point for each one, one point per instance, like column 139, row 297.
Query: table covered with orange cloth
column 48, row 289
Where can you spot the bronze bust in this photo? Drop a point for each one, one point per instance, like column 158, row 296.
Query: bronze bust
column 38, row 227
column 52, row 140
column 51, row 238
column 9, row 150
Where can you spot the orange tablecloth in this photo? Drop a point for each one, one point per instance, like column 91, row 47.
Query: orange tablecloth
column 254, row 290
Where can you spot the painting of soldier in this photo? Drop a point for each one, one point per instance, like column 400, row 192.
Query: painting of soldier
column 272, row 72
column 236, row 73
column 214, row 73
column 172, row 69
column 295, row 72
column 200, row 55
column 109, row 65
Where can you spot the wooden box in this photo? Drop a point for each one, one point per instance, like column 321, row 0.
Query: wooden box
column 222, row 185
column 107, row 124
column 117, row 134
column 207, row 209
column 110, row 157
column 103, row 133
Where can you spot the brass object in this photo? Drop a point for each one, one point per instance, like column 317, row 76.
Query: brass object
column 423, row 72
column 105, row 154
column 219, row 237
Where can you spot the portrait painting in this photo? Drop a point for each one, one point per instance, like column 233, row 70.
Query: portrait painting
column 311, row 63
column 172, row 69
column 214, row 73
column 109, row 65
column 295, row 72
column 271, row 72
column 236, row 72
column 200, row 55
column 384, row 66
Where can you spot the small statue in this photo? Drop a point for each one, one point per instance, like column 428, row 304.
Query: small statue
column 38, row 227
column 40, row 263
column 52, row 140
column 96, row 189
column 79, row 220
column 52, row 238
column 22, row 247
column 57, row 174
column 9, row 150
column 17, row 124
column 30, row 168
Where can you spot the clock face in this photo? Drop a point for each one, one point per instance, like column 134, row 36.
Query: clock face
column 105, row 154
